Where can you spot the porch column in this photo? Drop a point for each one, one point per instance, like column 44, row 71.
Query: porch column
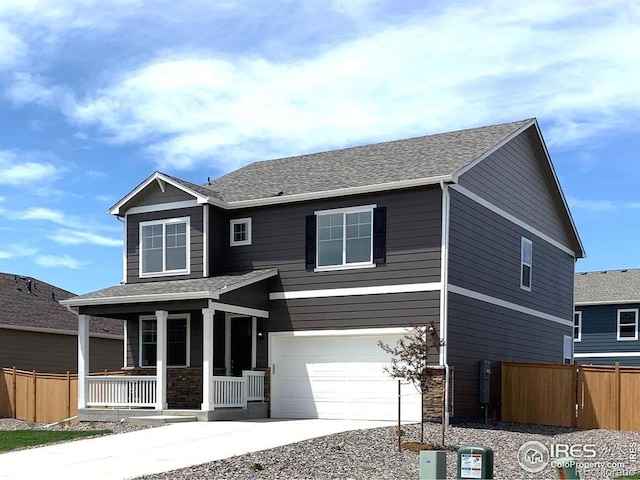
column 161, row 359
column 254, row 342
column 227, row 344
column 207, row 358
column 83, row 359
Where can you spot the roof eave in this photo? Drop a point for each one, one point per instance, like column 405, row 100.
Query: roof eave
column 145, row 298
column 606, row 302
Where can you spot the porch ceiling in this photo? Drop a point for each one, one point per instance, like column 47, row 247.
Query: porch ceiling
column 170, row 290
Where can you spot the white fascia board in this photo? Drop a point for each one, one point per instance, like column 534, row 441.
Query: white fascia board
column 249, row 312
column 162, row 207
column 301, row 197
column 156, row 176
column 352, row 291
column 153, row 297
column 606, row 354
column 59, row 331
column 607, row 302
column 342, row 332
column 244, row 283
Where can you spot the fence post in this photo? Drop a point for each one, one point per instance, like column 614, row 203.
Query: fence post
column 14, row 393
column 617, row 398
column 35, row 397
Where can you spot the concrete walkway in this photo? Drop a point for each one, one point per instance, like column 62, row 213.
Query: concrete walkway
column 165, row 448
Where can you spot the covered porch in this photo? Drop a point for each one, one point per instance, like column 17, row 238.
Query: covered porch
column 192, row 348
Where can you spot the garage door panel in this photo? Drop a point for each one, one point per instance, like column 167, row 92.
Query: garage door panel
column 337, row 377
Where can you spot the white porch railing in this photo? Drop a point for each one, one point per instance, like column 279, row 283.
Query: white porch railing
column 121, row 391
column 235, row 392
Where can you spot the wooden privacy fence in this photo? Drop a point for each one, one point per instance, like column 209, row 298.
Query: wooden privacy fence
column 39, row 397
column 571, row 395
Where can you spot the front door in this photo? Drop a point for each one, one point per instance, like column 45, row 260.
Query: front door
column 240, row 345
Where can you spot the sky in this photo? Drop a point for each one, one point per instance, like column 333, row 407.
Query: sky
column 95, row 96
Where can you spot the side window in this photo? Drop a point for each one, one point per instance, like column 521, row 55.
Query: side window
column 178, row 341
column 628, row 324
column 577, row 326
column 240, row 232
column 526, row 263
column 567, row 349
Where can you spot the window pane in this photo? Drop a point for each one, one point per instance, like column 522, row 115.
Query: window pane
column 177, row 341
column 239, row 232
column 330, row 252
column 359, row 250
column 152, row 260
column 526, row 252
column 627, row 318
column 526, row 276
column 149, row 340
column 627, row 331
column 358, row 237
column 176, row 258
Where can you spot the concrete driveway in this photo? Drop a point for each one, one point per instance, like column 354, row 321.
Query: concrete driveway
column 165, row 448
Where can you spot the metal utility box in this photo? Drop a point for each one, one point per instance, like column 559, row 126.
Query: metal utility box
column 475, row 461
column 484, row 381
column 433, row 465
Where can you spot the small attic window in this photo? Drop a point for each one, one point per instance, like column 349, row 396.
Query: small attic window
column 240, row 232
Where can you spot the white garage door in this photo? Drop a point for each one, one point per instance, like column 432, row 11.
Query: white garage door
column 337, row 377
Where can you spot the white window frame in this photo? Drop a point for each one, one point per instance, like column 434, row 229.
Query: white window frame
column 344, row 265
column 164, row 223
column 240, row 221
column 624, row 339
column 171, row 316
column 567, row 353
column 577, row 316
column 524, row 241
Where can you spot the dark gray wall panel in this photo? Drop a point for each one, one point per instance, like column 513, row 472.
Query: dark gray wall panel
column 133, row 240
column 484, row 256
column 413, row 241
column 53, row 353
column 599, row 333
column 218, row 239
column 481, row 331
column 251, row 296
column 511, row 178
column 153, row 195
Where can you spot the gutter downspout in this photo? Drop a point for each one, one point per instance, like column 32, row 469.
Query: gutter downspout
column 444, row 297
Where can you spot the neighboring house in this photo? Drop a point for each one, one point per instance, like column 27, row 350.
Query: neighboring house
column 300, row 265
column 606, row 317
column 37, row 333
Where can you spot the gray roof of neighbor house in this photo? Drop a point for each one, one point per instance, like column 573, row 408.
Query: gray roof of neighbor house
column 608, row 287
column 27, row 303
column 414, row 158
column 194, row 288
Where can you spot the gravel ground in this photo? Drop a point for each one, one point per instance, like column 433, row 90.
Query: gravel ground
column 372, row 454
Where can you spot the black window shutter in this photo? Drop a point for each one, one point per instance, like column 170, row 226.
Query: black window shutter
column 380, row 235
column 310, row 254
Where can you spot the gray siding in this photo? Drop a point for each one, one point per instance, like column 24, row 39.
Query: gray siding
column 218, row 239
column 251, row 296
column 599, row 335
column 484, row 256
column 481, row 331
column 54, row 353
column 413, row 242
column 511, row 178
column 133, row 240
column 153, row 195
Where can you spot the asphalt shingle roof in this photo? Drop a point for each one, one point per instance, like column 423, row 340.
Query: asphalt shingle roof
column 413, row 158
column 188, row 286
column 608, row 286
column 40, row 308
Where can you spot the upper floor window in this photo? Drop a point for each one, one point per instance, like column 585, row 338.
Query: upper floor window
column 240, row 230
column 178, row 344
column 567, row 349
column 628, row 324
column 577, row 326
column 526, row 262
column 164, row 247
column 345, row 237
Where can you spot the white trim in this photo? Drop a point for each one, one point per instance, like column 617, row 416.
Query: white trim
column 511, row 306
column 254, row 342
column 340, row 333
column 444, row 293
column 58, row 331
column 164, row 222
column 349, row 266
column 83, row 359
column 626, row 310
column 146, row 298
column 160, row 207
column 124, row 344
column 249, row 312
column 359, row 208
column 340, row 192
column 512, row 219
column 125, row 224
column 239, row 221
column 205, row 240
column 345, row 292
column 606, row 354
column 525, row 241
column 567, row 355
column 579, row 314
column 606, row 302
column 171, row 316
column 227, row 344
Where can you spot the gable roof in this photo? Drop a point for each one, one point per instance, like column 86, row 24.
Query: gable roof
column 39, row 310
column 607, row 287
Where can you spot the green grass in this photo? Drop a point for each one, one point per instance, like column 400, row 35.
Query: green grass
column 629, row 477
column 12, row 439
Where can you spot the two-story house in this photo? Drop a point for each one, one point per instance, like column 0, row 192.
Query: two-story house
column 606, row 317
column 299, row 266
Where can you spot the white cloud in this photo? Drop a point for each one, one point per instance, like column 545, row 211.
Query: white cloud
column 76, row 237
column 17, row 250
column 574, row 63
column 58, row 261
column 42, row 213
column 601, row 205
column 18, row 170
column 27, row 88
